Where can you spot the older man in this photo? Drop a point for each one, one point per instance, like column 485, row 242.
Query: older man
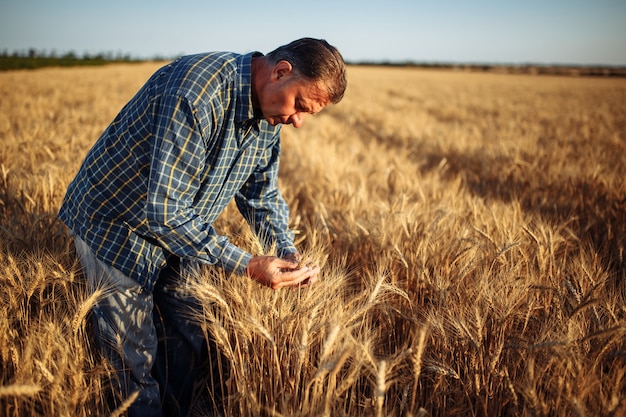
column 203, row 130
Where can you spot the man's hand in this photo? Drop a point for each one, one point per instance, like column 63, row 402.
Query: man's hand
column 278, row 273
column 294, row 257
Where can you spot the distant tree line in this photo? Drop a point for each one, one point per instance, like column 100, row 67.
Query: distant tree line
column 529, row 68
column 33, row 58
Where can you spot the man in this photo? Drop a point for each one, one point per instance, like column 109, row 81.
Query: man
column 202, row 131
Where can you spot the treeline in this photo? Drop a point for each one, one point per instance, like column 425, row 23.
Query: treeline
column 534, row 69
column 32, row 59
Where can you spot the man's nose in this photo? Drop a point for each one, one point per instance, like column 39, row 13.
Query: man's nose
column 297, row 119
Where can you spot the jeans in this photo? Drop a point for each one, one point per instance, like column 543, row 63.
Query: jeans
column 149, row 340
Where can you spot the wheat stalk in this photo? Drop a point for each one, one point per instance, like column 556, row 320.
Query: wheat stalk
column 128, row 402
column 19, row 390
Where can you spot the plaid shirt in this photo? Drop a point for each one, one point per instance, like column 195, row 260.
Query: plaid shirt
column 170, row 162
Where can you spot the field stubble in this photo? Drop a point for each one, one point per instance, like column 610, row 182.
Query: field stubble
column 471, row 229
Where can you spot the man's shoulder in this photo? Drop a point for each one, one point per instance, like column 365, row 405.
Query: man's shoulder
column 203, row 74
column 208, row 63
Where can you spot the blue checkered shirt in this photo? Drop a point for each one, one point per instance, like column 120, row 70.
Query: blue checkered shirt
column 170, row 162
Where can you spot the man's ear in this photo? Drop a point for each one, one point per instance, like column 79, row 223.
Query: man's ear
column 283, row 68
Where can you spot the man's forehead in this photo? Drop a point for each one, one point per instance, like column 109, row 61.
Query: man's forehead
column 315, row 92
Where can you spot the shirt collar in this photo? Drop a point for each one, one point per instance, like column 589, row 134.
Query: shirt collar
column 245, row 111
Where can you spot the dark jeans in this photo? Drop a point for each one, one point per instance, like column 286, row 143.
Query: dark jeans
column 181, row 347
column 148, row 338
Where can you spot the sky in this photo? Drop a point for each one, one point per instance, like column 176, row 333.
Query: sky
column 565, row 32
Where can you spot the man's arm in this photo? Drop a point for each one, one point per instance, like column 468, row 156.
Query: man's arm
column 264, row 207
column 178, row 158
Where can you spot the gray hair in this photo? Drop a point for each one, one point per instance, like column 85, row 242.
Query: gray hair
column 316, row 60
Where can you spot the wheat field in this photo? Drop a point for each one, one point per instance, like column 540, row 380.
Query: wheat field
column 470, row 228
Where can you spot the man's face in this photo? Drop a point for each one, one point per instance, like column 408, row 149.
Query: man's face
column 288, row 99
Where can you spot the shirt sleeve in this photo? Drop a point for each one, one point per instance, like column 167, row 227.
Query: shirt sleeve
column 264, row 207
column 179, row 155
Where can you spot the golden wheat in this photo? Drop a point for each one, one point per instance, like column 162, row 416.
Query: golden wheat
column 470, row 227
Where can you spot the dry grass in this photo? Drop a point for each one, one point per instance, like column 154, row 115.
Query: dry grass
column 471, row 229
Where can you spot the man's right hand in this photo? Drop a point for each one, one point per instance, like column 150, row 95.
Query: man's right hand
column 278, row 273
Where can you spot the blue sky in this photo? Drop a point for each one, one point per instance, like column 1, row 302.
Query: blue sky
column 544, row 32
